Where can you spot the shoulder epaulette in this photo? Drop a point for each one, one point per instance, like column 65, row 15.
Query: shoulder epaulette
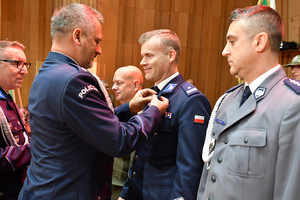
column 293, row 84
column 189, row 89
column 234, row 88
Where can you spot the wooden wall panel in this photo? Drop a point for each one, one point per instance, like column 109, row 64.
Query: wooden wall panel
column 24, row 21
column 201, row 26
column 182, row 6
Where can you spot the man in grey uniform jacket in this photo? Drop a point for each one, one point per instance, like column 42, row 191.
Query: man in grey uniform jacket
column 252, row 148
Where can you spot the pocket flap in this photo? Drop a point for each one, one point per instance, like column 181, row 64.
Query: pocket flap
column 249, row 137
column 15, row 124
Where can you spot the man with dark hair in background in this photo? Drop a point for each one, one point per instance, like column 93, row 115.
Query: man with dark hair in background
column 105, row 84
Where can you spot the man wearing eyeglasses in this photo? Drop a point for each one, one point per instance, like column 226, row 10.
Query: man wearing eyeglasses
column 15, row 152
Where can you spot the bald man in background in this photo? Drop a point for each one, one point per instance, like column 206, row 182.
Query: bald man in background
column 126, row 82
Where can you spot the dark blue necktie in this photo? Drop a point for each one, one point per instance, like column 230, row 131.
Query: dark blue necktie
column 156, row 89
column 246, row 94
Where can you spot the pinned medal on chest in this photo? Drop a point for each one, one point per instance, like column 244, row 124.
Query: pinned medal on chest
column 168, row 115
column 211, row 150
column 212, row 145
column 210, row 142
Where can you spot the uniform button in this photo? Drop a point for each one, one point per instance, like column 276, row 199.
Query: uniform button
column 214, row 133
column 136, row 157
column 213, row 179
column 246, row 140
column 220, row 159
column 210, row 198
column 15, row 128
column 19, row 123
column 133, row 174
column 226, row 141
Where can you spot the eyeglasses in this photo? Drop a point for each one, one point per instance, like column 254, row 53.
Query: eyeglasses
column 20, row 64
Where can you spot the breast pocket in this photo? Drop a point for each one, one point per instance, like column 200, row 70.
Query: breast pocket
column 247, row 152
column 14, row 124
column 167, row 125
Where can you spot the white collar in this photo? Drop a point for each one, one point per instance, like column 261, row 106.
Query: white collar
column 254, row 85
column 162, row 84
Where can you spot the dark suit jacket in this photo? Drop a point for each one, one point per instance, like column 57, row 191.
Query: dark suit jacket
column 13, row 159
column 168, row 165
column 75, row 135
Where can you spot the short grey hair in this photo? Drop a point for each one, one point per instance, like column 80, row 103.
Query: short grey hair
column 5, row 43
column 167, row 37
column 72, row 16
column 258, row 19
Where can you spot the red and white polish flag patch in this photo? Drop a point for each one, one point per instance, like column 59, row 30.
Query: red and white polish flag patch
column 199, row 119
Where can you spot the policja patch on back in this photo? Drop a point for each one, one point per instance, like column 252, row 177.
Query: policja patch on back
column 85, row 90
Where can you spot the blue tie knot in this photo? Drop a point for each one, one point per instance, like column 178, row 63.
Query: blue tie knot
column 246, row 94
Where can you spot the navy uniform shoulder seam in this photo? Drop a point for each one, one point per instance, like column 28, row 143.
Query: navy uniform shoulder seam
column 189, row 89
column 293, row 84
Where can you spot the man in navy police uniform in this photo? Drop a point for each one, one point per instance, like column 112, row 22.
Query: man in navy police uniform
column 75, row 133
column 167, row 165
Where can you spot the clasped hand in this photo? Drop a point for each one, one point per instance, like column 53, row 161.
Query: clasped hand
column 142, row 97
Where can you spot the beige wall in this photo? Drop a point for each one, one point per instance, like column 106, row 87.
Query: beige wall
column 200, row 24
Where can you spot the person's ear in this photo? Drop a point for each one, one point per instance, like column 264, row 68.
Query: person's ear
column 136, row 84
column 261, row 41
column 172, row 56
column 77, row 35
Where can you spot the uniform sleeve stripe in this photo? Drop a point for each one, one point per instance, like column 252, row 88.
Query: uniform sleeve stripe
column 8, row 159
column 142, row 123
